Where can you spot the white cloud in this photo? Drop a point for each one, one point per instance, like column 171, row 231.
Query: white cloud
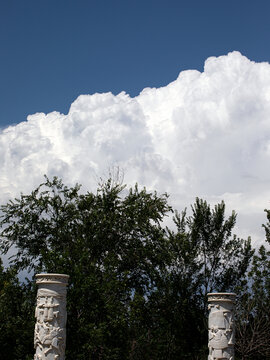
column 205, row 134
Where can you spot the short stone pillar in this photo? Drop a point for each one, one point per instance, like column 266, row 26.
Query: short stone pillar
column 50, row 329
column 221, row 326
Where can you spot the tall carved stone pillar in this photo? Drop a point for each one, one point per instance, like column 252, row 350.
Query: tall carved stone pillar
column 50, row 329
column 221, row 326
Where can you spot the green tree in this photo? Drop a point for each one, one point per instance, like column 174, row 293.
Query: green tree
column 267, row 226
column 253, row 311
column 16, row 316
column 113, row 248
column 215, row 259
column 253, row 307
column 206, row 257
column 137, row 289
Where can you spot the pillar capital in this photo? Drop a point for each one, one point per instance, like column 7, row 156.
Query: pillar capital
column 221, row 297
column 60, row 279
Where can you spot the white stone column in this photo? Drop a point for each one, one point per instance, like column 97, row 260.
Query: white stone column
column 221, row 326
column 50, row 329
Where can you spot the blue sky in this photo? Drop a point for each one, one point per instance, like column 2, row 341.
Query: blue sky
column 54, row 50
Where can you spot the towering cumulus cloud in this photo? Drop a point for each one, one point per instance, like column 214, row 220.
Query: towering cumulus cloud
column 205, row 134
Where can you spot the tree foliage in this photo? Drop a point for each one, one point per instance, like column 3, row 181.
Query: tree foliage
column 16, row 316
column 137, row 289
column 218, row 258
column 253, row 308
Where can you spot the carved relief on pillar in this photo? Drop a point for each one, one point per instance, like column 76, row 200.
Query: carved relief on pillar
column 50, row 332
column 221, row 326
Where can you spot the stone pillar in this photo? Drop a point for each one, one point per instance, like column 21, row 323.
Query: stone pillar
column 50, row 329
column 221, row 326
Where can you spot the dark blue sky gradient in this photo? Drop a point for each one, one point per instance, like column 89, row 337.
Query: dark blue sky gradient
column 51, row 51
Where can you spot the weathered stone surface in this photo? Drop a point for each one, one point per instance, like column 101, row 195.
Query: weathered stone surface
column 50, row 329
column 221, row 326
